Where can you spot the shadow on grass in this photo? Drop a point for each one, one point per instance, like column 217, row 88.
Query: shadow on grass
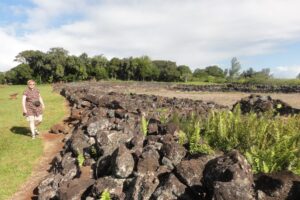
column 21, row 130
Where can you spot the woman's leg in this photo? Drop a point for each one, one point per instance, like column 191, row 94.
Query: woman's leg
column 32, row 128
column 38, row 121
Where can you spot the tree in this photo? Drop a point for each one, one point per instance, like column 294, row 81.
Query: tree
column 215, row 71
column 225, row 72
column 36, row 61
column 59, row 72
column 298, row 77
column 145, row 68
column 266, row 72
column 19, row 74
column 55, row 63
column 97, row 67
column 185, row 72
column 101, row 73
column 248, row 73
column 235, row 68
column 200, row 74
column 75, row 69
column 113, row 67
column 2, row 78
column 168, row 70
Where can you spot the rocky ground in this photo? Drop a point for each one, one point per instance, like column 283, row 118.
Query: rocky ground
column 105, row 128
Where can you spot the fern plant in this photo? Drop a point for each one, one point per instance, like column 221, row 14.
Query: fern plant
column 144, row 125
column 163, row 114
column 80, row 159
column 105, row 195
column 182, row 137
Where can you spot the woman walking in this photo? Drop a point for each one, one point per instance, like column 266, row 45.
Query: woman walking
column 33, row 107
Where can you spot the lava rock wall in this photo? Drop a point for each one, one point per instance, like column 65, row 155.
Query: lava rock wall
column 106, row 149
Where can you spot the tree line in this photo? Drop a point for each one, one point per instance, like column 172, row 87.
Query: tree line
column 57, row 65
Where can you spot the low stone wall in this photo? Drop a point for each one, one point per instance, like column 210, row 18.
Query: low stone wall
column 240, row 88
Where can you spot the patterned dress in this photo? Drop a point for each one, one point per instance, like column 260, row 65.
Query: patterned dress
column 31, row 96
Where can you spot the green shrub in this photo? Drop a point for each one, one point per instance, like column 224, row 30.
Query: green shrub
column 269, row 143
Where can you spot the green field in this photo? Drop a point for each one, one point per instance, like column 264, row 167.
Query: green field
column 18, row 152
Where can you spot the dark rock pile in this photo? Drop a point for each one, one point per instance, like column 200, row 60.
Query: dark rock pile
column 237, row 87
column 105, row 129
column 259, row 103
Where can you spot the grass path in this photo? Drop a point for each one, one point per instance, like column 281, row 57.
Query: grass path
column 18, row 152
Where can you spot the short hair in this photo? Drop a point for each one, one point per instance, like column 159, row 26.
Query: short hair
column 30, row 81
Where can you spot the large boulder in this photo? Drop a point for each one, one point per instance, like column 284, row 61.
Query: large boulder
column 228, row 177
column 92, row 98
column 149, row 161
column 69, row 167
column 275, row 186
column 172, row 188
column 74, row 190
column 79, row 142
column 47, row 189
column 190, row 171
column 123, row 163
column 100, row 125
column 112, row 185
column 142, row 187
column 174, row 152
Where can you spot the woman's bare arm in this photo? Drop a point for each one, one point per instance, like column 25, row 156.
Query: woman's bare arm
column 42, row 102
column 23, row 104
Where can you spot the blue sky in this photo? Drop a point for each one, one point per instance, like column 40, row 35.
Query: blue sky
column 198, row 33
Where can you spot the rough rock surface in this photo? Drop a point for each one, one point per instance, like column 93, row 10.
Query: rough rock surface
column 275, row 186
column 229, row 177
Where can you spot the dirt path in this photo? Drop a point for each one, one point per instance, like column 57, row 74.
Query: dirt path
column 52, row 144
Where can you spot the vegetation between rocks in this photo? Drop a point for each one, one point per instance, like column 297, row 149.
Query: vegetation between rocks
column 269, row 143
column 105, row 195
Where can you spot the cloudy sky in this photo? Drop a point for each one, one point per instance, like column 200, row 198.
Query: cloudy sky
column 198, row 33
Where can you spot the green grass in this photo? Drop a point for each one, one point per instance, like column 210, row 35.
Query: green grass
column 197, row 83
column 18, row 152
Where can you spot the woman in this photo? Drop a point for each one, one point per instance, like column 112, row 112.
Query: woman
column 33, row 106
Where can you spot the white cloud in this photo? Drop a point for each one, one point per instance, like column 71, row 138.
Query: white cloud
column 10, row 46
column 286, row 71
column 197, row 33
